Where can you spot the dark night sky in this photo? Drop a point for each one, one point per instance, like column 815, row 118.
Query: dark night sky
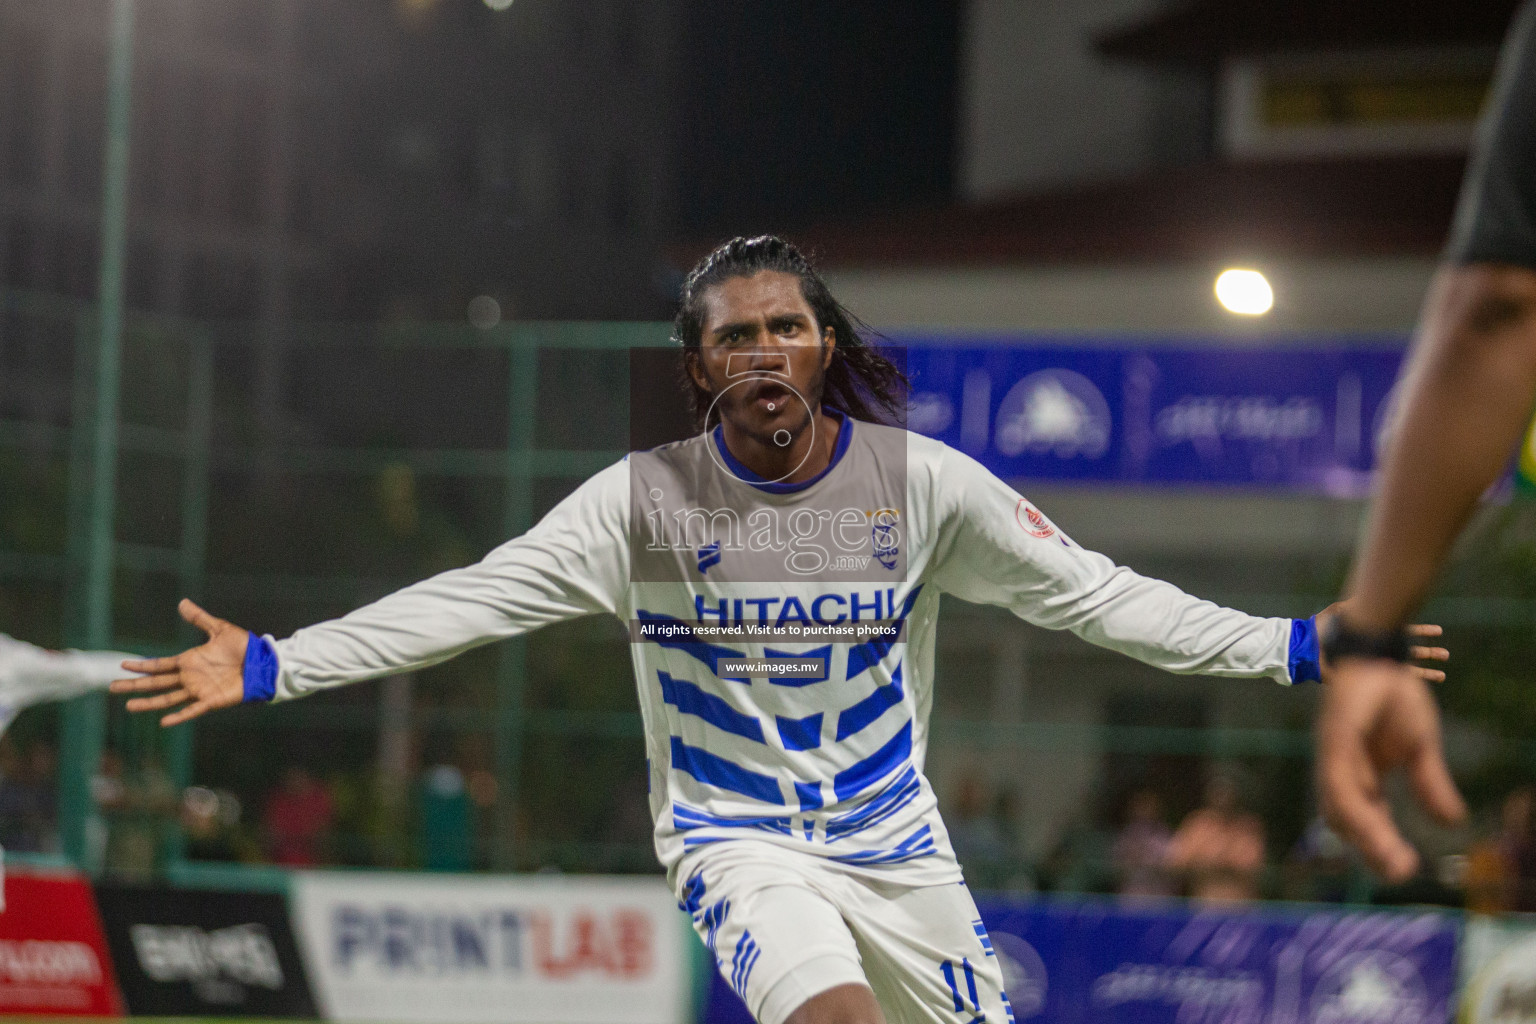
column 805, row 110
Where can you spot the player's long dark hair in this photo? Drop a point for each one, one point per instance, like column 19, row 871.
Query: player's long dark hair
column 860, row 380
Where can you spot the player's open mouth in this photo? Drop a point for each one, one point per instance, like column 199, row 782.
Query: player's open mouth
column 770, row 397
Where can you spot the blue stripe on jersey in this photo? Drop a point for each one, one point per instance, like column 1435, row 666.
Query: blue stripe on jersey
column 693, row 894
column 745, row 959
column 824, row 653
column 862, row 657
column 854, row 780
column 986, row 940
column 872, row 652
column 709, row 654
column 691, row 700
column 887, row 802
column 685, row 818
column 854, row 718
column 713, row 770
column 810, row 795
column 713, row 918
column 918, row 844
column 800, row 733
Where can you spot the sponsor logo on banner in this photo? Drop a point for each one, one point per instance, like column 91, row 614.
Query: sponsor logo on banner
column 930, row 413
column 1370, row 986
column 53, row 957
column 1055, row 411
column 1024, row 975
column 243, row 954
column 1178, row 965
column 189, row 952
column 1286, row 416
column 429, row 949
column 1244, row 418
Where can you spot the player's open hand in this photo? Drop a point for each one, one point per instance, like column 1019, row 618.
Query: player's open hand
column 200, row 680
column 1378, row 717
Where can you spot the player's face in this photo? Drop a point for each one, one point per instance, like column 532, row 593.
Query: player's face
column 763, row 354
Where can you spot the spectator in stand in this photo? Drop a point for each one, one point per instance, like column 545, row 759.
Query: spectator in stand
column 445, row 820
column 135, row 804
column 1498, row 879
column 299, row 818
column 1321, row 866
column 27, row 798
column 1219, row 848
column 42, row 771
column 1141, row 849
column 1008, row 812
column 978, row 839
column 13, row 797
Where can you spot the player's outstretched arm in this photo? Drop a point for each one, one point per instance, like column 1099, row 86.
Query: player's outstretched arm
column 1466, row 397
column 197, row 681
column 1001, row 550
column 574, row 562
column 33, row 675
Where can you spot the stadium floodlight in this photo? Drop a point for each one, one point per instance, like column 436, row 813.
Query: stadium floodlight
column 1244, row 291
column 498, row 5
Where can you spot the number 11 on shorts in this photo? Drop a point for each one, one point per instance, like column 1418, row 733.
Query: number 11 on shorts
column 947, row 968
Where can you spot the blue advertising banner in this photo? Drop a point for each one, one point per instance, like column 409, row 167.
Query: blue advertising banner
column 1290, row 418
column 1071, row 963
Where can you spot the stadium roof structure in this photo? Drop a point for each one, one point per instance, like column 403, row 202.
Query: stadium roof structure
column 1201, row 32
column 1355, row 207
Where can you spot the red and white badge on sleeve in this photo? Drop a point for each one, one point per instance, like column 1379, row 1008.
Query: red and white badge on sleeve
column 53, row 953
column 1033, row 520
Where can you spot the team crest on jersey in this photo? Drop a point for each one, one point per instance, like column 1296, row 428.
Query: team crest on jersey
column 709, row 557
column 885, row 536
column 1030, row 518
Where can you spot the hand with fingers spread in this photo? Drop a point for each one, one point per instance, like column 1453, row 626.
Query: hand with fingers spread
column 199, row 680
column 1378, row 716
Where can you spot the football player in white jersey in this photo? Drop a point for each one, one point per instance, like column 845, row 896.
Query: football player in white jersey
column 32, row 675
column 781, row 574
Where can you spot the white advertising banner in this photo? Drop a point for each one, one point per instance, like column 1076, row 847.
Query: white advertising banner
column 470, row 949
column 1498, row 970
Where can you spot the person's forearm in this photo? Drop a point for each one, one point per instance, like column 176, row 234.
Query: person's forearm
column 524, row 584
column 1467, row 399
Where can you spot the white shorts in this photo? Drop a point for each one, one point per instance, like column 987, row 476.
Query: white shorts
column 784, row 927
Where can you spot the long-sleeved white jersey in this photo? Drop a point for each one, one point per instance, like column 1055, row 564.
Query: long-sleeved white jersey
column 31, row 675
column 683, row 537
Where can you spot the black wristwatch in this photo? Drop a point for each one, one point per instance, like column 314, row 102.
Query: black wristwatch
column 1341, row 640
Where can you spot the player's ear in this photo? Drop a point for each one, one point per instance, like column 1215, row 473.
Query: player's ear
column 828, row 346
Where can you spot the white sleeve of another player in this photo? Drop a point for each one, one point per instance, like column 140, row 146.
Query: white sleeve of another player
column 30, row 675
column 574, row 562
column 996, row 548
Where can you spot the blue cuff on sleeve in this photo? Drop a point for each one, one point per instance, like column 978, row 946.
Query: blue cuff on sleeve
column 260, row 669
column 1306, row 663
